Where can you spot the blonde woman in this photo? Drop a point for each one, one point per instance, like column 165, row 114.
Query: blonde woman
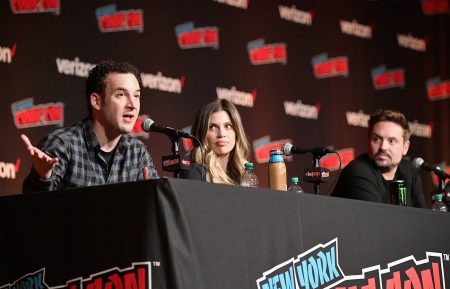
column 219, row 128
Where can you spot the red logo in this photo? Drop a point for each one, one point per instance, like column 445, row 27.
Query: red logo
column 263, row 146
column 138, row 276
column 35, row 6
column 261, row 53
column 383, row 78
column 190, row 37
column 331, row 161
column 137, row 128
column 446, row 169
column 26, row 114
column 188, row 144
column 437, row 89
column 325, row 67
column 432, row 7
column 111, row 20
column 303, row 272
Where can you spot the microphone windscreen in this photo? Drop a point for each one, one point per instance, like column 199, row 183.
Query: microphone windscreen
column 147, row 124
column 287, row 149
column 417, row 162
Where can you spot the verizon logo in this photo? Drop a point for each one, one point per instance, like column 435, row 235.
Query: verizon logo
column 7, row 54
column 73, row 67
column 9, row 170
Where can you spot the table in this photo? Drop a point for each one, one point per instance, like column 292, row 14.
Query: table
column 172, row 233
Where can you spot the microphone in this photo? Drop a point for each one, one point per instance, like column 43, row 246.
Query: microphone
column 289, row 149
column 419, row 163
column 149, row 125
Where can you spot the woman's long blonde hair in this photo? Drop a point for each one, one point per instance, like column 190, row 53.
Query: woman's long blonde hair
column 238, row 156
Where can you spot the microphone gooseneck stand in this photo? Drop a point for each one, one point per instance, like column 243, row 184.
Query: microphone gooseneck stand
column 175, row 163
column 316, row 165
column 175, row 152
column 316, row 174
column 441, row 185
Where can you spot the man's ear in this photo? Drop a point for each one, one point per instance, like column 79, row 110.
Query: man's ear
column 406, row 147
column 96, row 101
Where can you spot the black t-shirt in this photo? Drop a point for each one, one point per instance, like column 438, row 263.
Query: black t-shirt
column 362, row 180
column 194, row 172
column 108, row 157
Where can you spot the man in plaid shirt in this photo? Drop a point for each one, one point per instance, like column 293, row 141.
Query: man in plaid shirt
column 97, row 150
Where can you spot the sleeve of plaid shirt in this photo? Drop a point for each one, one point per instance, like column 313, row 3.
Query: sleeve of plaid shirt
column 55, row 147
column 148, row 162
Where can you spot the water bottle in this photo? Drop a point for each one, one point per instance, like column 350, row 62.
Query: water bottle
column 295, row 186
column 438, row 204
column 249, row 179
column 277, row 171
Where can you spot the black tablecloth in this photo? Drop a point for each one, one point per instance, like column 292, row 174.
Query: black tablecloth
column 173, row 233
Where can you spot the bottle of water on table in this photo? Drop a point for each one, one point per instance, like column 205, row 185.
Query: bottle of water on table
column 295, row 186
column 439, row 204
column 250, row 179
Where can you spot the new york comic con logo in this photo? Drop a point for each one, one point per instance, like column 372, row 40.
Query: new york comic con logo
column 263, row 145
column 261, row 53
column 111, row 20
column 190, row 37
column 334, row 162
column 138, row 276
column 438, row 89
column 26, row 114
column 383, row 78
column 138, row 131
column 432, row 7
column 318, row 268
column 35, row 6
column 325, row 67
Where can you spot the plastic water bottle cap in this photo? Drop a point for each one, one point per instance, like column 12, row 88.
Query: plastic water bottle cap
column 294, row 180
column 248, row 166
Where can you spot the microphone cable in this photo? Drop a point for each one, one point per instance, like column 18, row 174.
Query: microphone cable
column 338, row 174
column 202, row 153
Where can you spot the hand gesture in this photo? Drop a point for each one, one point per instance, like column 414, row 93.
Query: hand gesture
column 43, row 163
column 146, row 173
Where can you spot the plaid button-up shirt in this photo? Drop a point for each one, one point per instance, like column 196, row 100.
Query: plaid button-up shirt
column 81, row 164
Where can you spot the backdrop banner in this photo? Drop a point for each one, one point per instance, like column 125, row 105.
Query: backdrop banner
column 307, row 72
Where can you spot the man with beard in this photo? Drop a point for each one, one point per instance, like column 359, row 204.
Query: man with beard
column 369, row 176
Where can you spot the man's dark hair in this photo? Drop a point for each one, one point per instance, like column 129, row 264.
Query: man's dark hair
column 392, row 116
column 95, row 83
